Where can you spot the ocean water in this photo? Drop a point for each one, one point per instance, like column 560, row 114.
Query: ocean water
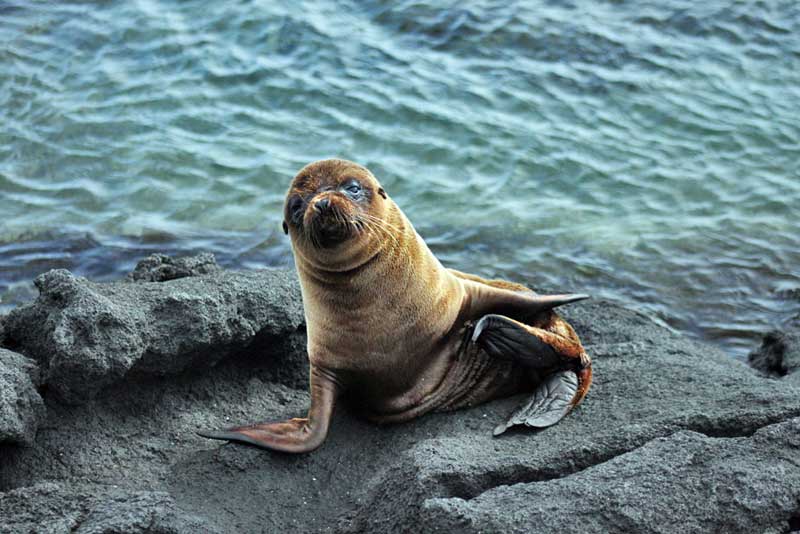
column 646, row 151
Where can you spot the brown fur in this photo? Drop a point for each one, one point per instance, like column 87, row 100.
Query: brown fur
column 386, row 321
column 380, row 329
column 384, row 315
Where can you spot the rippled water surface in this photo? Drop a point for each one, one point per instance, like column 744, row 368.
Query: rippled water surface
column 645, row 151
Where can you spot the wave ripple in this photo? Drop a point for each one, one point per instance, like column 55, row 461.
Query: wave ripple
column 645, row 151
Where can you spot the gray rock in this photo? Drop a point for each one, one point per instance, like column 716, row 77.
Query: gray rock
column 93, row 509
column 654, row 391
column 88, row 336
column 686, row 482
column 649, row 383
column 160, row 267
column 778, row 355
column 21, row 407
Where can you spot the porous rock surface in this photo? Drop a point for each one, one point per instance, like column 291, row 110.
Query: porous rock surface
column 673, row 432
column 160, row 267
column 55, row 508
column 779, row 355
column 21, row 407
column 89, row 336
column 686, row 482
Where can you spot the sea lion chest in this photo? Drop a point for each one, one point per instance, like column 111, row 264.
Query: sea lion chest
column 391, row 340
column 402, row 349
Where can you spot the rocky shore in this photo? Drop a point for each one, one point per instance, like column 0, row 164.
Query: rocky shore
column 102, row 386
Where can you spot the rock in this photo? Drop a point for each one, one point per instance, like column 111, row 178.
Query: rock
column 650, row 383
column 685, row 416
column 87, row 336
column 93, row 509
column 686, row 482
column 778, row 355
column 160, row 267
column 21, row 407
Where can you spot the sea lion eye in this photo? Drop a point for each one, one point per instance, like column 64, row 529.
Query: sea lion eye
column 295, row 204
column 353, row 188
column 296, row 209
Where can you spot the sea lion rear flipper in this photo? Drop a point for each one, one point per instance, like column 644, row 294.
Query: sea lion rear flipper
column 551, row 401
column 295, row 435
column 507, row 339
column 563, row 358
column 503, row 337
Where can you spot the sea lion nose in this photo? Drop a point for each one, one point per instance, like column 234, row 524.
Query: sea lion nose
column 322, row 204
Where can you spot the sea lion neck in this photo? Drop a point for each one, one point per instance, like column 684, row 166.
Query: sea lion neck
column 334, row 274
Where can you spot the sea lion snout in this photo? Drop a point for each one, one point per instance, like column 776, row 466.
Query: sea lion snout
column 329, row 219
column 322, row 204
column 328, row 209
column 331, row 202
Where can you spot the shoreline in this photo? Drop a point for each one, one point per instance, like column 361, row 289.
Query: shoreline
column 716, row 321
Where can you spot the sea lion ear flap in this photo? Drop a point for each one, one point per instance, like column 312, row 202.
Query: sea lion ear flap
column 381, row 192
column 285, row 228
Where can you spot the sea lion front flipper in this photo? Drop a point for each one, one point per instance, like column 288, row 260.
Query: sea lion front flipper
column 491, row 299
column 551, row 401
column 295, row 435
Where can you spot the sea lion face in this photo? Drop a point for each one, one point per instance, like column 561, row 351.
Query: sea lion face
column 330, row 205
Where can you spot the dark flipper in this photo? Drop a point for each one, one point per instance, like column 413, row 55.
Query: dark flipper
column 567, row 366
column 548, row 405
column 294, row 435
column 506, row 339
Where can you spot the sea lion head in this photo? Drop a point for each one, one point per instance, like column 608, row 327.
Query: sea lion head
column 330, row 208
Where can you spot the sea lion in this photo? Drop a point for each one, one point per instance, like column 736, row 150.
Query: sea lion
column 399, row 332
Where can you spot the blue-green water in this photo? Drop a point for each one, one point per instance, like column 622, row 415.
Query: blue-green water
column 645, row 151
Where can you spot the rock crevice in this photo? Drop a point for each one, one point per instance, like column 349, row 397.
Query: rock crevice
column 495, row 480
column 21, row 407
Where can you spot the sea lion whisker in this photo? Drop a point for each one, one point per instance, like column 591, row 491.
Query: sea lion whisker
column 381, row 221
column 345, row 221
column 378, row 230
column 358, row 225
column 381, row 229
column 390, row 229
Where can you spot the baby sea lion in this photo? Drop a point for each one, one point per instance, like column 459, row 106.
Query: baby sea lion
column 400, row 333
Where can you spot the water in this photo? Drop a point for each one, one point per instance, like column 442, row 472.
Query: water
column 644, row 151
